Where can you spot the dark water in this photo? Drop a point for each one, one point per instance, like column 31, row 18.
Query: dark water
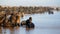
column 44, row 24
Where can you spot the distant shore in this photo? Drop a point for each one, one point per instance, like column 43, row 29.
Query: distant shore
column 26, row 10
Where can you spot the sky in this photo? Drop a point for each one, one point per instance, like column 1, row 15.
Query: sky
column 30, row 2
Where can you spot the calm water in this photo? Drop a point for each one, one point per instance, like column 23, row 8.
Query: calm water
column 30, row 2
column 44, row 24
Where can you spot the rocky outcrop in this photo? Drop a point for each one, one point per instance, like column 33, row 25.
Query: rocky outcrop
column 27, row 10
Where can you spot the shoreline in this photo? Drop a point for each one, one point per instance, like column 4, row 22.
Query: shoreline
column 27, row 10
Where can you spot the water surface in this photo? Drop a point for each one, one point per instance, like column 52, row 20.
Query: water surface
column 44, row 24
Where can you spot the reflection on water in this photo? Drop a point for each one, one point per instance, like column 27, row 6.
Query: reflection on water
column 44, row 24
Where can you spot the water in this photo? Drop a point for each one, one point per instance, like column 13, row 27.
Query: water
column 44, row 24
column 30, row 2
